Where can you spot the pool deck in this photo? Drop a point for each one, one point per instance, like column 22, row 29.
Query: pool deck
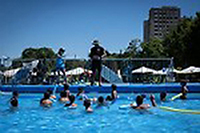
column 106, row 88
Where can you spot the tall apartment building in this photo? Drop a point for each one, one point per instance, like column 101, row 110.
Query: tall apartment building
column 160, row 22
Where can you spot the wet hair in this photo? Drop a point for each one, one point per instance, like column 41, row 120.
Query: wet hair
column 71, row 99
column 143, row 95
column 63, row 94
column 86, row 104
column 101, row 99
column 15, row 94
column 163, row 95
column 108, row 98
column 66, row 87
column 139, row 100
column 49, row 91
column 80, row 90
column 46, row 95
column 114, row 87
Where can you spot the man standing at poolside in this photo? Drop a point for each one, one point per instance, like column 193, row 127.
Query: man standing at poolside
column 96, row 54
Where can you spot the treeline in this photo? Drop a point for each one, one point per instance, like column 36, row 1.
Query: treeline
column 182, row 43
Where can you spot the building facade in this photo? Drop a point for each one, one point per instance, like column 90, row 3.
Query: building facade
column 160, row 22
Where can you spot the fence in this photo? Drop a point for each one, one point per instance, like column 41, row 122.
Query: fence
column 113, row 71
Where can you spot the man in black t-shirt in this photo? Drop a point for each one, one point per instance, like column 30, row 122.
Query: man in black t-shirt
column 96, row 54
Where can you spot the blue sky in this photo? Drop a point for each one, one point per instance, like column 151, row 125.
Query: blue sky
column 73, row 24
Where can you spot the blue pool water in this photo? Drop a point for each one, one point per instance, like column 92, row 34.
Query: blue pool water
column 30, row 117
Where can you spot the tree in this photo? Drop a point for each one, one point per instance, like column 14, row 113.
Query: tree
column 38, row 53
column 182, row 43
column 194, row 42
column 153, row 49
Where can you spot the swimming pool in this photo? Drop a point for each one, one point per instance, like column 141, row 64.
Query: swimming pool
column 30, row 117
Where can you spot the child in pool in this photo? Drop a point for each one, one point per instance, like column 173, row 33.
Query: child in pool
column 45, row 101
column 184, row 90
column 163, row 96
column 87, row 105
column 113, row 93
column 64, row 95
column 71, row 104
column 81, row 94
column 52, row 96
column 140, row 105
column 14, row 99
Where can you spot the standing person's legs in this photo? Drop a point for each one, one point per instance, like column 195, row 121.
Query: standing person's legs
column 93, row 72
column 99, row 71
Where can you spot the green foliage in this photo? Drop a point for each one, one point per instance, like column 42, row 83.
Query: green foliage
column 153, row 49
column 183, row 42
column 38, row 53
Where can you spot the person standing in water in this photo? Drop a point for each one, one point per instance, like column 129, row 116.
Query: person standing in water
column 14, row 99
column 184, row 90
column 96, row 54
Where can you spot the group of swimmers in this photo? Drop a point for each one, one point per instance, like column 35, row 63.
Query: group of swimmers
column 69, row 99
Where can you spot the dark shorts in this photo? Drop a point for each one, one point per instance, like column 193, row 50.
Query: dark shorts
column 96, row 64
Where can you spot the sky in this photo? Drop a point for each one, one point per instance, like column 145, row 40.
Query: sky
column 74, row 24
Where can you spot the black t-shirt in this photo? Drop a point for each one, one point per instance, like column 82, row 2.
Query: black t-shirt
column 96, row 52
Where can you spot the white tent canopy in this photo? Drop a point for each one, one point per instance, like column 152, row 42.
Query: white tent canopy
column 164, row 72
column 12, row 72
column 76, row 71
column 144, row 70
column 191, row 69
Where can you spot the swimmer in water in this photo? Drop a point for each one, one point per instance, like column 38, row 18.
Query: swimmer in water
column 71, row 104
column 64, row 95
column 163, row 96
column 139, row 103
column 14, row 99
column 153, row 101
column 108, row 98
column 51, row 94
column 45, row 101
column 87, row 105
column 184, row 90
column 101, row 102
column 114, row 92
column 66, row 89
column 81, row 94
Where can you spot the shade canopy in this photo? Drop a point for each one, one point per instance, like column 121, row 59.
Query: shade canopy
column 143, row 70
column 166, row 71
column 12, row 72
column 191, row 69
column 76, row 71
